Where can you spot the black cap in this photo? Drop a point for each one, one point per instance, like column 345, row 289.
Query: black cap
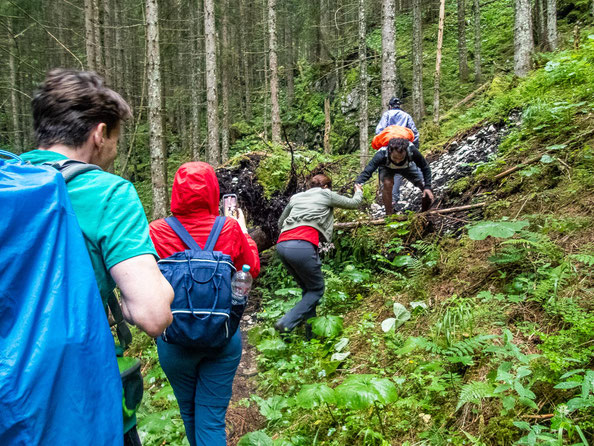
column 394, row 102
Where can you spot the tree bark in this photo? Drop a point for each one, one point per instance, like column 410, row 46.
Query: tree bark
column 327, row 126
column 226, row 69
column 274, row 105
column 14, row 101
column 158, row 161
column 99, row 67
column 108, row 46
column 89, row 34
column 245, row 59
column 389, row 73
column 476, row 7
column 552, row 24
column 540, row 22
column 462, row 51
column 523, row 40
column 212, row 104
column 436, row 85
column 197, row 85
column 363, row 118
column 417, row 53
column 289, row 45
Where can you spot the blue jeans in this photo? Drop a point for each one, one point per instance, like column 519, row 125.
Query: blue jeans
column 202, row 382
column 303, row 263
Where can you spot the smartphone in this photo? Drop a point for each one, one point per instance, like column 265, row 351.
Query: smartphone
column 230, row 205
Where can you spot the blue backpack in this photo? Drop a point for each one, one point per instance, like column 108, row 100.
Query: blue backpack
column 59, row 380
column 201, row 279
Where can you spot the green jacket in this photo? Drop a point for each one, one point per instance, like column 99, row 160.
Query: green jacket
column 314, row 208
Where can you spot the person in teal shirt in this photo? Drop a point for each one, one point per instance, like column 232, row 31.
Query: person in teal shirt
column 75, row 116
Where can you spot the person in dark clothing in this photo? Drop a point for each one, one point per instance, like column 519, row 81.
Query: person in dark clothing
column 399, row 157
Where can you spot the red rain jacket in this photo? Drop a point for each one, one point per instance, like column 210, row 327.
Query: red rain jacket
column 393, row 131
column 195, row 203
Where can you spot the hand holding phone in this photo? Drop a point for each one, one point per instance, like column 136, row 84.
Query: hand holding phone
column 230, row 205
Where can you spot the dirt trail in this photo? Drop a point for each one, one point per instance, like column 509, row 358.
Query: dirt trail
column 240, row 419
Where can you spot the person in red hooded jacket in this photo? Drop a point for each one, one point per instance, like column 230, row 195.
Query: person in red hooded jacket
column 202, row 379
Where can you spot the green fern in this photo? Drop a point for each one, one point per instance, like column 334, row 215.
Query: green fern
column 467, row 347
column 474, row 392
column 586, row 259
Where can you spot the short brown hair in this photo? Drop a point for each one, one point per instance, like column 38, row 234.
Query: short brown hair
column 320, row 180
column 399, row 145
column 70, row 103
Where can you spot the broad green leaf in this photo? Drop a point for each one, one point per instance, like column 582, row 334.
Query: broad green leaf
column 257, row 438
column 522, row 425
column 508, row 402
column 327, row 326
column 271, row 345
column 568, row 385
column 339, row 356
column 522, row 391
column 401, row 313
column 314, row 395
column 361, row 391
column 417, row 304
column 528, row 402
column 557, row 147
column 289, row 292
column 403, row 261
column 572, row 372
column 341, row 344
column 272, row 407
column 388, row 324
column 500, row 229
column 546, row 159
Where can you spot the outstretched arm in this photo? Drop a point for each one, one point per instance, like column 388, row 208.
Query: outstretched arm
column 375, row 162
column 340, row 201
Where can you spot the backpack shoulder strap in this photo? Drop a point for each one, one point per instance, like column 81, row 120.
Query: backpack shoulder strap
column 182, row 233
column 214, row 233
column 72, row 168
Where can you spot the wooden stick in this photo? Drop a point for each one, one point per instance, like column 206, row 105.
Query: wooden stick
column 467, row 99
column 539, row 417
column 518, row 167
column 381, row 221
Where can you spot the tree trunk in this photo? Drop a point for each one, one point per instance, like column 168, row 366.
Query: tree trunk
column 195, row 34
column 462, row 52
column 108, row 50
column 158, row 162
column 389, row 74
column 438, row 63
column 89, row 34
column 226, row 69
column 552, row 24
column 245, row 60
column 14, row 101
column 417, row 52
column 289, row 45
column 540, row 22
column 327, row 126
column 476, row 7
column 363, row 118
column 99, row 67
column 274, row 105
column 212, row 104
column 266, row 72
column 523, row 40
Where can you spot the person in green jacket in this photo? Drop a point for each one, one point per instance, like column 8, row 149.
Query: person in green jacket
column 307, row 218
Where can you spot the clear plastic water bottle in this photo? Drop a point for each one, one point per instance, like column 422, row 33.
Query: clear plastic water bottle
column 241, row 285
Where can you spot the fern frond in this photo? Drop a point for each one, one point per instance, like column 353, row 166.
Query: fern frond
column 474, row 392
column 586, row 259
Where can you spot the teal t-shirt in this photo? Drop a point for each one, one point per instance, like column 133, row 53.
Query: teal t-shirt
column 110, row 215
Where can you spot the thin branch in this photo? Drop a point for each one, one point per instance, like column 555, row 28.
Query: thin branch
column 47, row 31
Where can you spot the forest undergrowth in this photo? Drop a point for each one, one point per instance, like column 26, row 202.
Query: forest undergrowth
column 477, row 332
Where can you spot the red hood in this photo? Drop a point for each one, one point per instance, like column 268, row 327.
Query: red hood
column 195, row 190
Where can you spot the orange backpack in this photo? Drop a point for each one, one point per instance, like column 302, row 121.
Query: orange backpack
column 392, row 131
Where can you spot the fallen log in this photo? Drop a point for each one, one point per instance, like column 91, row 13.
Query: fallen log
column 381, row 221
column 518, row 167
